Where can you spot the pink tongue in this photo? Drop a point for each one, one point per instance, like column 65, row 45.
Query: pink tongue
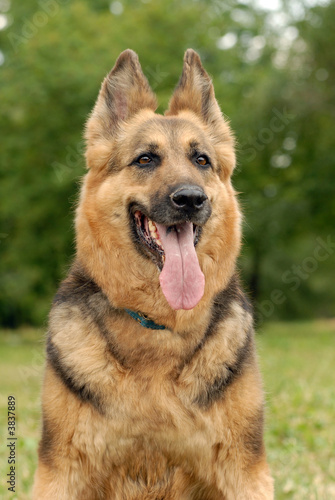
column 181, row 279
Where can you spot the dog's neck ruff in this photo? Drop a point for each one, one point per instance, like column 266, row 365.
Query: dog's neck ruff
column 144, row 320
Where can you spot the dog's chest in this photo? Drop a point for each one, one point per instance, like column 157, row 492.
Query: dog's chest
column 145, row 417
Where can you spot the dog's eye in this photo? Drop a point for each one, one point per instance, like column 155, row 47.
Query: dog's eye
column 144, row 160
column 203, row 160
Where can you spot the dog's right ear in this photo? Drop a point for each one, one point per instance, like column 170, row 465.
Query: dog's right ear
column 124, row 92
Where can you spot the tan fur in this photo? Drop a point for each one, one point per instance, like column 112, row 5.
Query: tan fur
column 146, row 427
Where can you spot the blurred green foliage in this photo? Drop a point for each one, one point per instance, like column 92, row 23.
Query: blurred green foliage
column 274, row 76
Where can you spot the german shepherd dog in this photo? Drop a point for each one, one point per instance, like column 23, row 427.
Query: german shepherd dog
column 152, row 389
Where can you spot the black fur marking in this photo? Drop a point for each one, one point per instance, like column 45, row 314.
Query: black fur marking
column 246, row 304
column 69, row 378
column 222, row 304
column 112, row 346
column 253, row 438
column 215, row 390
column 221, row 309
column 46, row 444
column 79, row 289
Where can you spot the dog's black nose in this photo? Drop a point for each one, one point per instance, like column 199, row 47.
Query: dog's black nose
column 190, row 198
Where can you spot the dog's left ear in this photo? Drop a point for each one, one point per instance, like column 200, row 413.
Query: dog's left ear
column 124, row 92
column 195, row 92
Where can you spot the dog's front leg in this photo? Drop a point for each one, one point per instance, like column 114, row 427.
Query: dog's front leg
column 250, row 483
column 54, row 484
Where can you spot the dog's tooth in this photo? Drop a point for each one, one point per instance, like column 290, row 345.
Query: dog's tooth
column 152, row 227
column 158, row 241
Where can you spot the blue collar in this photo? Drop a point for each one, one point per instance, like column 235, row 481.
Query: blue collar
column 144, row 321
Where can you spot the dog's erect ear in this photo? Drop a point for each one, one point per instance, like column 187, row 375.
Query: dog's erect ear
column 124, row 92
column 195, row 91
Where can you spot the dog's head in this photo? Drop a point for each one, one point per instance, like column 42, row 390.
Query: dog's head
column 157, row 211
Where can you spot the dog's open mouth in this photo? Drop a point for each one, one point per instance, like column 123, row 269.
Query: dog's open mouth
column 173, row 250
column 148, row 232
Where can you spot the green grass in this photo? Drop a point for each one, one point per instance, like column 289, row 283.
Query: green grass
column 21, row 369
column 298, row 364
